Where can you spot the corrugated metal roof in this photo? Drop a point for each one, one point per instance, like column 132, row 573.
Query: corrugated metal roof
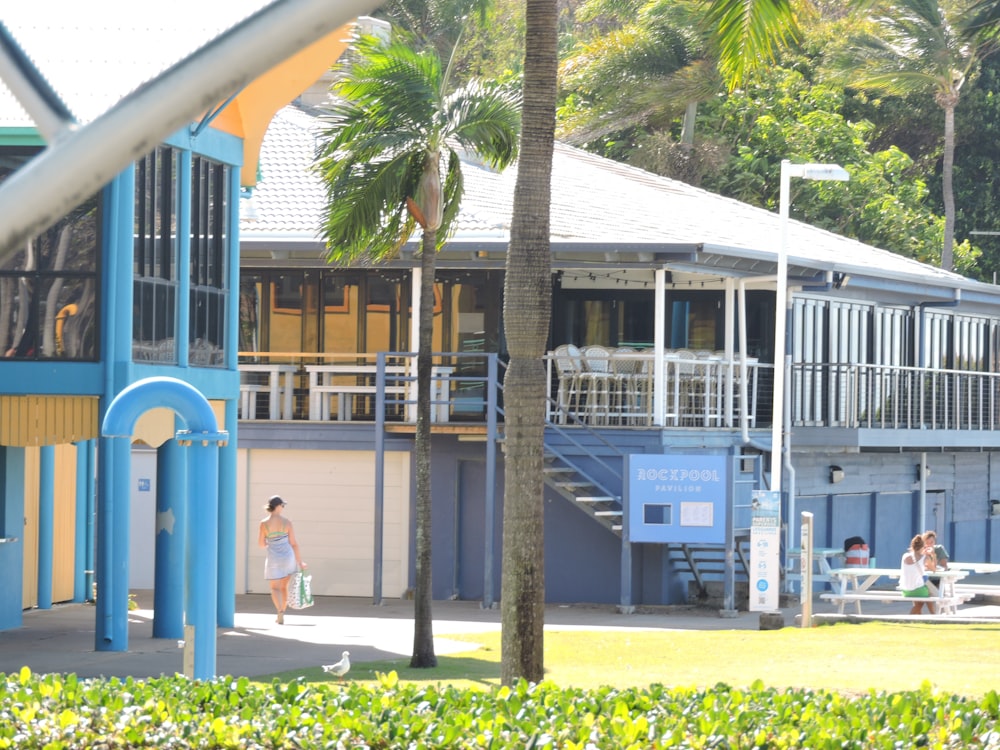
column 93, row 54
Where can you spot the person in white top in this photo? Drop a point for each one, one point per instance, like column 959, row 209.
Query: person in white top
column 911, row 575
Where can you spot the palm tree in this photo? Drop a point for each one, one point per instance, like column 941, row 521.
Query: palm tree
column 527, row 302
column 394, row 129
column 527, row 306
column 918, row 46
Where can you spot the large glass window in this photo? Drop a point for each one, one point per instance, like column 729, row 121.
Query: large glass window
column 154, row 264
column 605, row 317
column 209, row 266
column 320, row 310
column 49, row 287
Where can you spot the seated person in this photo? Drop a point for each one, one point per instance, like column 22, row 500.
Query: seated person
column 938, row 557
column 911, row 575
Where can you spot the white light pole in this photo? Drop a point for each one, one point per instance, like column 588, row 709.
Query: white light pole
column 807, row 172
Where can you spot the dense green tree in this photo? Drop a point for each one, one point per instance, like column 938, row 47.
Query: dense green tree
column 918, row 46
column 394, row 130
column 977, row 167
column 779, row 115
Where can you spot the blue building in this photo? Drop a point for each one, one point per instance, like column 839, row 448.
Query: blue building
column 135, row 286
column 199, row 264
column 891, row 383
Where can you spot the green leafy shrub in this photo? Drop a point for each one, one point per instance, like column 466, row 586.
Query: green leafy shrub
column 55, row 711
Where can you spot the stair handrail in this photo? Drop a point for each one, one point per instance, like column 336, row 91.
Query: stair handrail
column 568, row 436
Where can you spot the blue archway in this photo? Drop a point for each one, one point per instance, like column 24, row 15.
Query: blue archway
column 203, row 439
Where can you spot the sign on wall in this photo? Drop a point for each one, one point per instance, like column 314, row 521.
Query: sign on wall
column 679, row 498
column 765, row 543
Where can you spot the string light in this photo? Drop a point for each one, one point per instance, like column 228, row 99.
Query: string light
column 621, row 277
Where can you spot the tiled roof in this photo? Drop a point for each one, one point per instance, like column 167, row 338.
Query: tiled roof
column 289, row 196
column 596, row 203
column 95, row 53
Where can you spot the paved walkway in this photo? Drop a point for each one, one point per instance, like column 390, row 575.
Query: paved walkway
column 62, row 639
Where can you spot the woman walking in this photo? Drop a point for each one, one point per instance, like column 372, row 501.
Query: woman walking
column 278, row 537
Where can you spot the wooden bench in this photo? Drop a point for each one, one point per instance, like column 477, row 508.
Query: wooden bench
column 944, row 604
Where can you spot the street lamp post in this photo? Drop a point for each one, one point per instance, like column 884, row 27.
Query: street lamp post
column 807, row 172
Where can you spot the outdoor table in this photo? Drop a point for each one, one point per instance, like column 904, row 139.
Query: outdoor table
column 855, row 584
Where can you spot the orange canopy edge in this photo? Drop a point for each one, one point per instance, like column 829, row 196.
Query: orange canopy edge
column 250, row 114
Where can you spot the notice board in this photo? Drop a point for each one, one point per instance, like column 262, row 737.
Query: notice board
column 676, row 498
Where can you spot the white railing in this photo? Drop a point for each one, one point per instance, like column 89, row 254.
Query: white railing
column 889, row 397
column 608, row 387
column 344, row 387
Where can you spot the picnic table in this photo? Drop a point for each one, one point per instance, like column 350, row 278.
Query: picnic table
column 856, row 585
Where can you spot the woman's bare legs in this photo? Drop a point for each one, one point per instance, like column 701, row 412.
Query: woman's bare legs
column 279, row 595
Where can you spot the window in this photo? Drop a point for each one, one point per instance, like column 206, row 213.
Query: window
column 209, row 267
column 154, row 262
column 49, row 288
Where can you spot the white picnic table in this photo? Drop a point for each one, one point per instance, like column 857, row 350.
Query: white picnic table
column 855, row 585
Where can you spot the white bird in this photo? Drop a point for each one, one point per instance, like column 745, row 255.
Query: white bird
column 341, row 667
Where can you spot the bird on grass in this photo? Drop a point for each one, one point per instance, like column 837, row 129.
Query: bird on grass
column 341, row 667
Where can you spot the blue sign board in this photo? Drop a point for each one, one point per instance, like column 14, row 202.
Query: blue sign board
column 676, row 498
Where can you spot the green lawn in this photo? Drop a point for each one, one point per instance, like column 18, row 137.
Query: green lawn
column 962, row 659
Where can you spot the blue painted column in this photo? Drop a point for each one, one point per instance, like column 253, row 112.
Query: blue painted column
column 203, row 438
column 111, row 628
column 227, row 452
column 203, row 554
column 227, row 523
column 171, row 520
column 46, row 522
column 11, row 536
column 80, row 526
column 113, row 487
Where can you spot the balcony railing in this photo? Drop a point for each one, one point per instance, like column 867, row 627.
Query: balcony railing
column 887, row 397
column 343, row 387
column 597, row 386
column 616, row 389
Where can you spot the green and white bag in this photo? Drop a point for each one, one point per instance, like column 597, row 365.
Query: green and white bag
column 300, row 590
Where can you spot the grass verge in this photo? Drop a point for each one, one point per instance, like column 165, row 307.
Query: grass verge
column 850, row 658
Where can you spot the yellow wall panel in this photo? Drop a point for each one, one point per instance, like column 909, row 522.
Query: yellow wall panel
column 64, row 532
column 27, row 421
column 64, row 543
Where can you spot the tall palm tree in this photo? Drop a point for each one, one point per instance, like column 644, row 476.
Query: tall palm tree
column 742, row 27
column 394, row 129
column 527, row 306
column 918, row 46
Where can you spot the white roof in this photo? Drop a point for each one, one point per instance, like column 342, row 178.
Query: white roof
column 597, row 203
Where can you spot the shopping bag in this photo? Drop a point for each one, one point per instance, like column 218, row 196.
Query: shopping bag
column 300, row 590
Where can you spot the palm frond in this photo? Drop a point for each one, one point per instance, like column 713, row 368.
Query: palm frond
column 366, row 216
column 747, row 32
column 454, row 185
column 486, row 120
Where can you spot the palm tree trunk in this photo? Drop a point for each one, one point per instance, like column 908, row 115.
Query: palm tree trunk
column 527, row 305
column 423, row 634
column 947, row 192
